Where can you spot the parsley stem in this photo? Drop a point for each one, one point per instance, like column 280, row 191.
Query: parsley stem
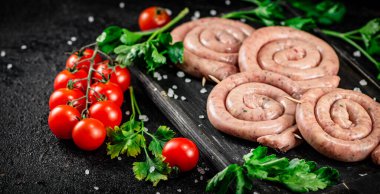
column 131, row 94
column 344, row 37
column 182, row 14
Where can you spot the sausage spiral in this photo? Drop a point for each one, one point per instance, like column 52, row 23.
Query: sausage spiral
column 302, row 57
column 211, row 46
column 254, row 106
column 340, row 124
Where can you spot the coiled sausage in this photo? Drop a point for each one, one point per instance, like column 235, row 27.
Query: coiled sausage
column 302, row 57
column 254, row 106
column 211, row 46
column 340, row 124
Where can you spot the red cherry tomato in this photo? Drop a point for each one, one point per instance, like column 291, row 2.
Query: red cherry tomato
column 63, row 95
column 62, row 120
column 64, row 76
column 153, row 17
column 77, row 57
column 89, row 134
column 119, row 76
column 106, row 112
column 109, row 90
column 181, row 152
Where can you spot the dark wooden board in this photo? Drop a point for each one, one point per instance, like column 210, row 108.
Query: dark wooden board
column 222, row 149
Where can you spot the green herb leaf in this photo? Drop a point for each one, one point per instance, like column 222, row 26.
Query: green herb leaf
column 175, row 53
column 300, row 23
column 374, row 46
column 368, row 31
column 152, row 170
column 130, row 38
column 109, row 39
column 162, row 135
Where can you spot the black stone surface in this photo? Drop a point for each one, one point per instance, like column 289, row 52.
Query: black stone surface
column 32, row 160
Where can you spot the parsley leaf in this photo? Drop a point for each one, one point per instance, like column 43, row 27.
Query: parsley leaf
column 152, row 170
column 370, row 30
column 162, row 135
column 300, row 23
column 298, row 175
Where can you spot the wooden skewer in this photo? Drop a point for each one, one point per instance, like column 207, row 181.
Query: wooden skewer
column 344, row 184
column 294, row 100
column 214, row 79
column 203, row 81
column 297, row 136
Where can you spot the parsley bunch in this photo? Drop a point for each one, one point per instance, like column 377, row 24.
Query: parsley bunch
column 298, row 175
column 146, row 47
column 130, row 139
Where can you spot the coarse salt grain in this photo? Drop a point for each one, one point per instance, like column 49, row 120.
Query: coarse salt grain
column 180, row 74
column 179, row 190
column 213, row 12
column 187, row 80
column 243, row 20
column 91, row 19
column 255, row 192
column 357, row 89
column 127, row 112
column 119, row 158
column 201, row 116
column 197, row 14
column 23, row 47
column 143, row 118
column 201, row 178
column 168, row 11
column 364, row 174
column 158, row 192
column 201, row 170
column 156, row 74
column 183, row 98
column 9, row 66
column 170, row 92
column 155, row 89
column 203, row 90
column 196, row 181
column 175, row 96
column 363, row 82
column 96, row 188
column 175, row 87
column 121, row 5
column 151, row 169
column 227, row 2
column 165, row 76
column 374, row 98
column 87, row 172
column 73, row 38
column 357, row 54
column 69, row 42
column 2, row 53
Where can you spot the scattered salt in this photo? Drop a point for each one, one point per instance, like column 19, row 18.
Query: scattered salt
column 201, row 116
column 197, row 14
column 179, row 190
column 213, row 12
column 203, row 90
column 183, row 98
column 357, row 89
column 119, row 158
column 2, row 53
column 143, row 118
column 175, row 96
column 121, row 5
column 23, row 47
column 96, row 188
column 282, row 23
column 168, row 11
column 187, row 80
column 158, row 192
column 9, row 66
column 255, row 192
column 170, row 92
column 363, row 82
column 151, row 169
column 159, row 78
column 201, row 178
column 155, row 89
column 364, row 174
column 87, row 172
column 228, row 2
column 207, row 169
column 69, row 42
column 196, row 181
column 163, row 93
column 193, row 18
column 127, row 112
column 357, row 54
column 180, row 74
column 165, row 76
column 175, row 87
column 374, row 98
column 243, row 20
column 73, row 38
column 156, row 74
column 201, row 170
column 91, row 19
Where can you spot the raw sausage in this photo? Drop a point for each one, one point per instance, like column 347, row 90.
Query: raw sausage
column 211, row 46
column 253, row 105
column 340, row 124
column 302, row 57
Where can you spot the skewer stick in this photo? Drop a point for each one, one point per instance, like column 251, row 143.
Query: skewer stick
column 214, row 79
column 293, row 99
column 297, row 136
column 203, row 81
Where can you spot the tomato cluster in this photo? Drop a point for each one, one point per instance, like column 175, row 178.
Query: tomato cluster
column 69, row 118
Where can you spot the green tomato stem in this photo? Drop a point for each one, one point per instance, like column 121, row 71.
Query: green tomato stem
column 182, row 14
column 344, row 37
column 238, row 14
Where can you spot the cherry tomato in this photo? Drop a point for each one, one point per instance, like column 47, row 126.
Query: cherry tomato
column 119, row 76
column 63, row 95
column 106, row 112
column 64, row 76
column 109, row 90
column 89, row 134
column 62, row 120
column 153, row 17
column 77, row 56
column 181, row 152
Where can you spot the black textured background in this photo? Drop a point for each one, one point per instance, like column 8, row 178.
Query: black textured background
column 32, row 160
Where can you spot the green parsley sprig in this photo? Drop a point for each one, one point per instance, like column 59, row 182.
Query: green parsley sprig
column 147, row 47
column 298, row 175
column 131, row 137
